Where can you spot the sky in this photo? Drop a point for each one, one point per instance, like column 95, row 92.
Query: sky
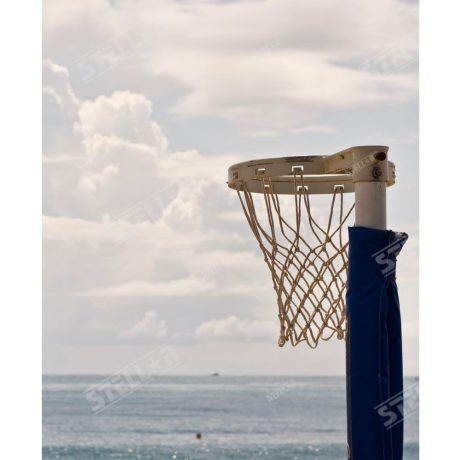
column 145, row 105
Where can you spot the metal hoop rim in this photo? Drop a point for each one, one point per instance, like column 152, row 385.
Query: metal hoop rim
column 319, row 173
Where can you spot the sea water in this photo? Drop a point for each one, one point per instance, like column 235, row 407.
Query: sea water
column 242, row 417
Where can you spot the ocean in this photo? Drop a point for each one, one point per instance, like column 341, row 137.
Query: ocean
column 239, row 417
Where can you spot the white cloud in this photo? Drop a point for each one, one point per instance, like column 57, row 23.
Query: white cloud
column 136, row 259
column 120, row 164
column 123, row 233
column 305, row 129
column 90, row 182
column 64, row 17
column 60, row 108
column 154, row 213
column 134, row 223
column 233, row 328
column 297, row 85
column 181, row 287
column 70, row 231
column 57, row 87
column 124, row 115
column 308, row 56
column 149, row 327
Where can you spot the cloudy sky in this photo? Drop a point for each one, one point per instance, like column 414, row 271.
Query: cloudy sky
column 145, row 106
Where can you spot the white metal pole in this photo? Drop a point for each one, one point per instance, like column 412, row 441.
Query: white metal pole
column 370, row 202
column 370, row 175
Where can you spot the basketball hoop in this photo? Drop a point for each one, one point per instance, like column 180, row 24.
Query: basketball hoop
column 305, row 248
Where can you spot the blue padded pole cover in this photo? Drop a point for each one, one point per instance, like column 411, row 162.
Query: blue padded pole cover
column 374, row 346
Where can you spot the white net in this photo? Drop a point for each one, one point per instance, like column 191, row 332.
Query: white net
column 307, row 257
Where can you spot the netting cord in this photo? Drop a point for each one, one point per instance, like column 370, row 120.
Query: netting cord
column 309, row 277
